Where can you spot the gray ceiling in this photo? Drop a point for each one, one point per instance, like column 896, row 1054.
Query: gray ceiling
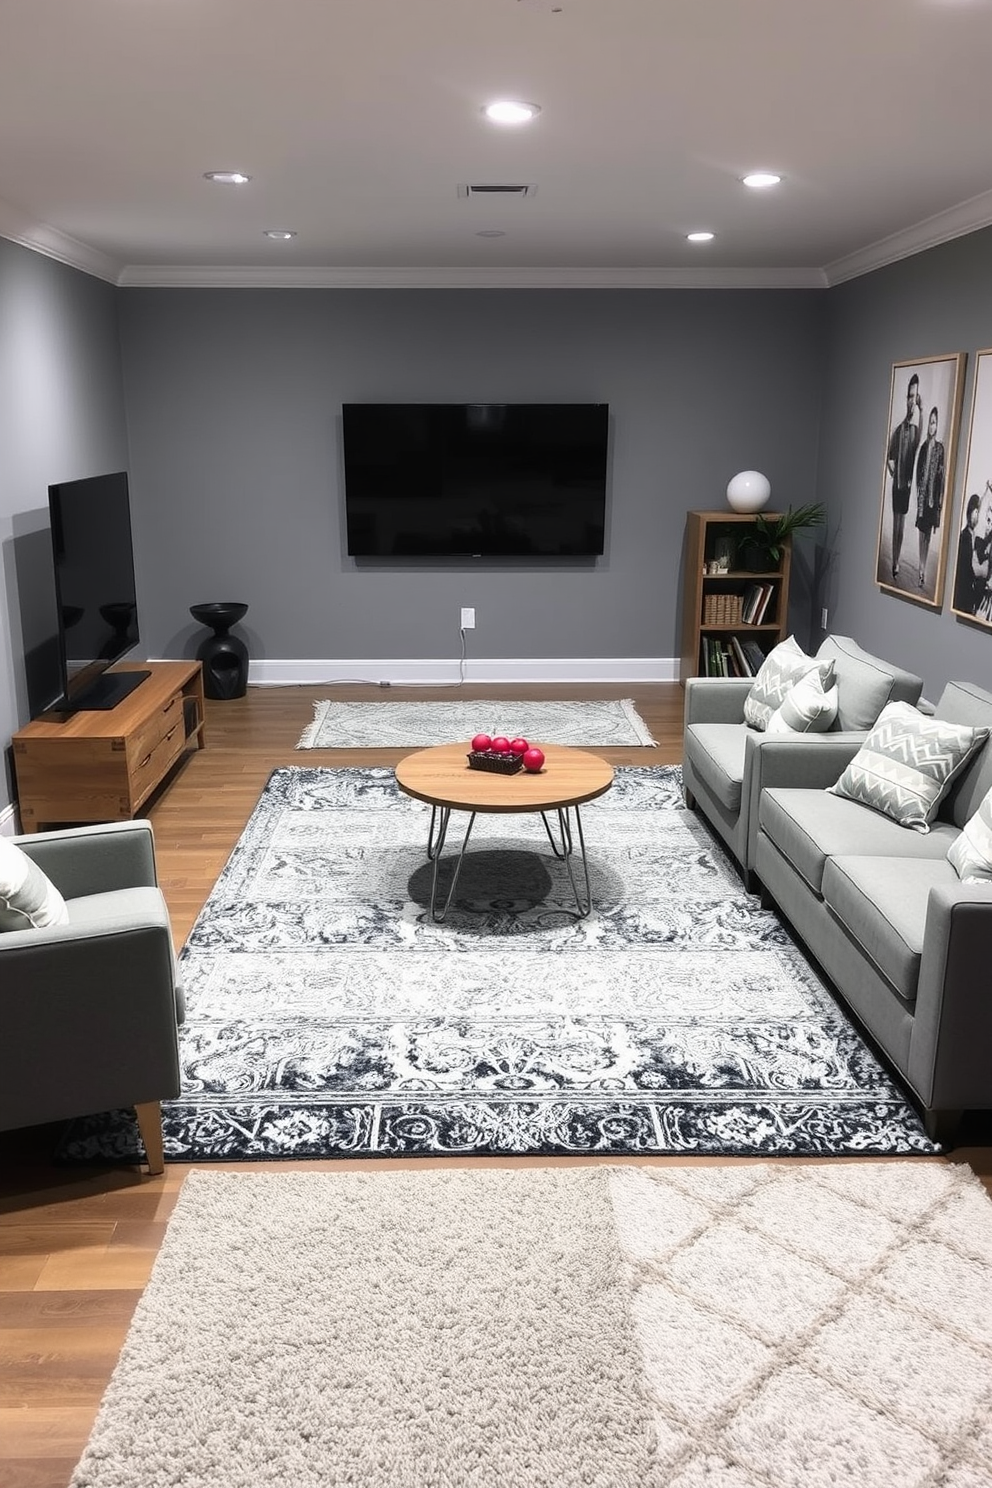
column 358, row 121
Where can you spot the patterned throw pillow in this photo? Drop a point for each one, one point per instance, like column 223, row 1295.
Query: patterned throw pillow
column 28, row 898
column 907, row 763
column 808, row 708
column 783, row 666
column 970, row 854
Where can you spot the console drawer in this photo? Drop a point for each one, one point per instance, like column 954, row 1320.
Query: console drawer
column 148, row 772
column 146, row 739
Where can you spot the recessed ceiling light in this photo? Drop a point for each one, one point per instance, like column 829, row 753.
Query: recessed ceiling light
column 505, row 111
column 227, row 178
column 700, row 237
column 759, row 180
column 490, row 232
column 281, row 233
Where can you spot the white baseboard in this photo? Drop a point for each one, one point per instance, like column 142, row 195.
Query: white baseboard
column 441, row 672
column 8, row 821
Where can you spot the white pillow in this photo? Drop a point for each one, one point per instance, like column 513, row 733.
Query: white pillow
column 970, row 854
column 28, row 898
column 907, row 764
column 808, row 708
column 783, row 666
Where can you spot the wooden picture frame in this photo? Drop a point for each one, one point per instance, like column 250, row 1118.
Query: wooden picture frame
column 971, row 589
column 921, row 437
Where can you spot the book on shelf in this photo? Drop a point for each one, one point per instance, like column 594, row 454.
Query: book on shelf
column 754, row 654
column 749, row 602
column 769, row 590
column 740, row 659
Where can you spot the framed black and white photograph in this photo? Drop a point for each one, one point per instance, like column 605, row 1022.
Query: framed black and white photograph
column 921, row 435
column 971, row 592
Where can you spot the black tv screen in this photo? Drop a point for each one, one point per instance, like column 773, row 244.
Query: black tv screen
column 475, row 479
column 94, row 589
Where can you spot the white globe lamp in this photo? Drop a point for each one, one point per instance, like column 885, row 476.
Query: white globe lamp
column 749, row 491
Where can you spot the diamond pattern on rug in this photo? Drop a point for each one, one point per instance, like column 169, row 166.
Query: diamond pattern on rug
column 328, row 1015
column 784, row 1314
column 605, row 723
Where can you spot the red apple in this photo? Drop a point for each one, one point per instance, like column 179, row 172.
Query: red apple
column 500, row 745
column 534, row 760
column 481, row 741
column 519, row 746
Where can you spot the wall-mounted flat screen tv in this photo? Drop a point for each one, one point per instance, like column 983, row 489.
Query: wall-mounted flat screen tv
column 485, row 480
column 94, row 590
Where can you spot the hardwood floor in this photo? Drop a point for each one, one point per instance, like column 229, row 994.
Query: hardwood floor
column 77, row 1246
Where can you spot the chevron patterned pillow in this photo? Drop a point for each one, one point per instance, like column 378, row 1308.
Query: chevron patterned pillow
column 906, row 765
column 782, row 667
column 970, row 854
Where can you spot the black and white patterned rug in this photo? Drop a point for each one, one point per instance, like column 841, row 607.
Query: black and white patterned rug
column 328, row 1016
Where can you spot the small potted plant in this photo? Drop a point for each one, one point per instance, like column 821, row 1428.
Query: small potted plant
column 761, row 550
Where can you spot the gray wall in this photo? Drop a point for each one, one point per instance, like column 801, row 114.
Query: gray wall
column 61, row 417
column 232, row 438
column 234, row 403
column 934, row 303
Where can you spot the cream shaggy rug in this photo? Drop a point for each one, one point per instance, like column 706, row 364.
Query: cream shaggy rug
column 745, row 1326
column 608, row 722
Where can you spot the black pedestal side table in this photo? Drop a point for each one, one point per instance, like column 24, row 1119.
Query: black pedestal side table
column 224, row 657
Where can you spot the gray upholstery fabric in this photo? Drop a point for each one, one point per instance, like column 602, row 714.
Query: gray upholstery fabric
column 865, row 683
column 718, row 755
column 810, row 826
column 726, row 785
column 905, row 943
column 882, row 903
column 89, row 1010
column 963, row 702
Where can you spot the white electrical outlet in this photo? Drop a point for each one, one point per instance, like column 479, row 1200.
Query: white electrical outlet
column 823, row 619
column 468, row 618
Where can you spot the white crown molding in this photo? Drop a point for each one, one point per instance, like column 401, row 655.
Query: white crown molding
column 967, row 217
column 956, row 222
column 8, row 822
column 19, row 228
column 438, row 672
column 163, row 276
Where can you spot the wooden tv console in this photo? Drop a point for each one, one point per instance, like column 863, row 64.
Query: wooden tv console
column 103, row 766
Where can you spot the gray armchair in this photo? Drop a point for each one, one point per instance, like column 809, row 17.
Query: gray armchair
column 89, row 1011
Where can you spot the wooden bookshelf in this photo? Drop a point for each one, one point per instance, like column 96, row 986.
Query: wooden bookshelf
column 714, row 603
column 103, row 766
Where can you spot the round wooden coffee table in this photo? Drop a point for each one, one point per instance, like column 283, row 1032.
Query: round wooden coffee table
column 442, row 777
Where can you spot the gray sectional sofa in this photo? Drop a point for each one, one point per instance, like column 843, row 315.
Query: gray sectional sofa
column 726, row 764
column 906, row 944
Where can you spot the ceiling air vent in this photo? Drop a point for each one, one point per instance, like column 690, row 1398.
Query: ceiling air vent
column 497, row 189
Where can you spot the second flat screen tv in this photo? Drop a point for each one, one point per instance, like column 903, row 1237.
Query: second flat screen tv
column 475, row 480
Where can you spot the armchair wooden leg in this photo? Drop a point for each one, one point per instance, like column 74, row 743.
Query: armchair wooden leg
column 149, row 1115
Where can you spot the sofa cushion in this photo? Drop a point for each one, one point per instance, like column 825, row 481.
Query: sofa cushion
column 717, row 754
column 963, row 702
column 882, row 904
column 782, row 667
column 809, row 826
column 865, row 683
column 808, row 708
column 28, row 898
column 970, row 854
column 907, row 763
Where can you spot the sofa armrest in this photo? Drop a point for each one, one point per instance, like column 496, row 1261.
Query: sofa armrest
column 716, row 699
column 949, row 1064
column 89, row 1018
column 97, row 859
column 807, row 761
